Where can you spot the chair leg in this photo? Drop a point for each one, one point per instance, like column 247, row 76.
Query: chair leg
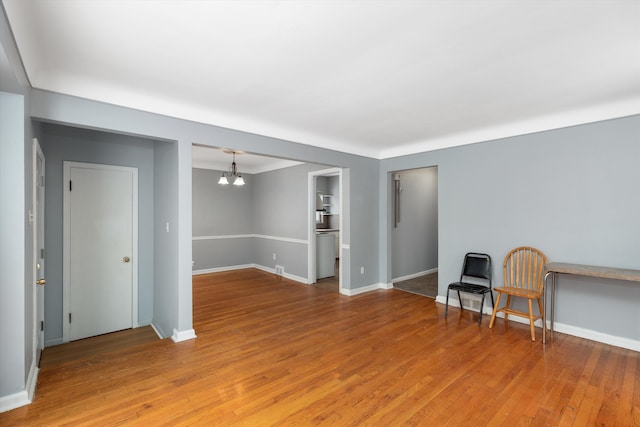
column 495, row 310
column 481, row 307
column 446, row 307
column 533, row 333
column 506, row 315
column 460, row 301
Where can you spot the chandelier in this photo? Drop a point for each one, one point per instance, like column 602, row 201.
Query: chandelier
column 233, row 173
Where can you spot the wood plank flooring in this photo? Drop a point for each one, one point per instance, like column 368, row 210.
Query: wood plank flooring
column 271, row 351
column 87, row 348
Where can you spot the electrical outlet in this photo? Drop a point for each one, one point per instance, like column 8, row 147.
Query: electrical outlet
column 279, row 270
column 274, row 256
column 362, row 270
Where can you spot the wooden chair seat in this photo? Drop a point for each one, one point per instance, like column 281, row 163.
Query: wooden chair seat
column 517, row 292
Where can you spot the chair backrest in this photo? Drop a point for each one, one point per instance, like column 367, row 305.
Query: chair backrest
column 476, row 266
column 524, row 268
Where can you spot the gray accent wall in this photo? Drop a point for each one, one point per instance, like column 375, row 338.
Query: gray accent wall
column 63, row 143
column 570, row 192
column 415, row 239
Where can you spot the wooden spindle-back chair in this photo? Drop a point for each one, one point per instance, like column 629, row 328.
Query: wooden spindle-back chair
column 523, row 270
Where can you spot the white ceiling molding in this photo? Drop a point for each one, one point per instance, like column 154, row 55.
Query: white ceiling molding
column 377, row 78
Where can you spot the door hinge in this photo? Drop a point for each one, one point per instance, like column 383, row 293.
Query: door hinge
column 42, row 325
column 69, row 317
column 41, row 253
column 70, row 185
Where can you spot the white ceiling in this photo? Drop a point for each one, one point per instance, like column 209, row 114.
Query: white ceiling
column 375, row 78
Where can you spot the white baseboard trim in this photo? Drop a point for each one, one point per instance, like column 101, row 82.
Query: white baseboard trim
column 245, row 266
column 364, row 289
column 13, row 401
column 286, row 275
column 559, row 327
column 179, row 336
column 220, row 269
column 414, row 275
column 23, row 397
column 597, row 336
column 385, row 286
column 157, row 330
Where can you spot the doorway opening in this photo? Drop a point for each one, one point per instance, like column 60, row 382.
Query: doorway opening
column 414, row 231
column 326, row 220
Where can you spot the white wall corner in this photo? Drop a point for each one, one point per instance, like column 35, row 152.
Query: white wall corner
column 179, row 336
column 385, row 286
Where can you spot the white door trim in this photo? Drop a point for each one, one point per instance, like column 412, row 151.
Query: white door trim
column 66, row 249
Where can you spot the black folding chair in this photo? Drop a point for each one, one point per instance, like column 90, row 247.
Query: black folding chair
column 475, row 278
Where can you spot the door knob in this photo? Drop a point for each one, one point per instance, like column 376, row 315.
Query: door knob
column 126, row 259
column 41, row 282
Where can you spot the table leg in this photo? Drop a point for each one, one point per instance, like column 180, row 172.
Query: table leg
column 553, row 303
column 544, row 309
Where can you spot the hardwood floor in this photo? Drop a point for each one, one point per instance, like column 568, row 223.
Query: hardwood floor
column 271, row 351
column 84, row 349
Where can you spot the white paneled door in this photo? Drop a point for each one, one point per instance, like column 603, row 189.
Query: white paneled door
column 100, row 249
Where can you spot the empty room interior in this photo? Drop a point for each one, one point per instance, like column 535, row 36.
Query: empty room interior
column 313, row 213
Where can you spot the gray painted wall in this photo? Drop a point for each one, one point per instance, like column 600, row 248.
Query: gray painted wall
column 415, row 239
column 165, row 243
column 220, row 210
column 16, row 245
column 361, row 173
column 15, row 357
column 62, row 143
column 569, row 192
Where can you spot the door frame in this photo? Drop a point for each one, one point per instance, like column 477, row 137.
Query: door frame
column 37, row 224
column 66, row 248
column 311, row 227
